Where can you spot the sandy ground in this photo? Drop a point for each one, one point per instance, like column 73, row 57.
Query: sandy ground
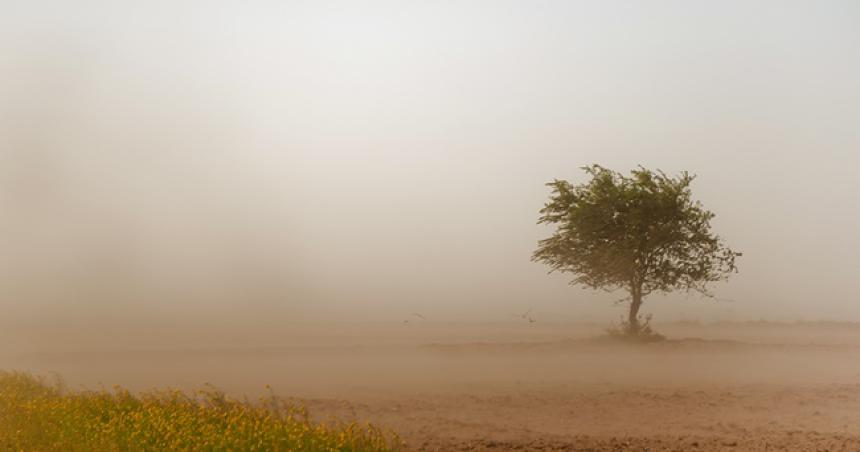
column 736, row 386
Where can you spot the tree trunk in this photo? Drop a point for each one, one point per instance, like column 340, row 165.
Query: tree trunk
column 635, row 303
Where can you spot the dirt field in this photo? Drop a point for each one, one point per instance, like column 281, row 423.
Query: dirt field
column 741, row 386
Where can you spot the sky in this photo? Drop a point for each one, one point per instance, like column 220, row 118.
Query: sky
column 286, row 161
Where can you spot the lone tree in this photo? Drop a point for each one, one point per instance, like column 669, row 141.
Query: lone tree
column 643, row 233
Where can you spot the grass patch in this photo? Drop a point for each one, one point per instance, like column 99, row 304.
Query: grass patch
column 642, row 333
column 40, row 416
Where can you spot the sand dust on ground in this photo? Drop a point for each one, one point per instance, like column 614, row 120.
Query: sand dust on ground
column 446, row 387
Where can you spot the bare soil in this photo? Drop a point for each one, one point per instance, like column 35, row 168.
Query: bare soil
column 445, row 387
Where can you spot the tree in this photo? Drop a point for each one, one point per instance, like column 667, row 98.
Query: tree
column 643, row 233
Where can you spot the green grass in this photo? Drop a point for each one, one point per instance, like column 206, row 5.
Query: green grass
column 38, row 416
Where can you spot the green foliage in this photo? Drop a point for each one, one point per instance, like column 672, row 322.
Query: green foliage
column 640, row 332
column 642, row 233
column 38, row 416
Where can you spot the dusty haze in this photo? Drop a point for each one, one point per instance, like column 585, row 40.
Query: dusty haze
column 211, row 165
column 251, row 193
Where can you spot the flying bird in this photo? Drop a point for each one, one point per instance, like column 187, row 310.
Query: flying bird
column 525, row 315
column 419, row 316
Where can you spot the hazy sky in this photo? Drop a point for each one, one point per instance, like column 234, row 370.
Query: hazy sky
column 365, row 160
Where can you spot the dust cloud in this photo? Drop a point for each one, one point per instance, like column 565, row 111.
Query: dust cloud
column 251, row 194
column 513, row 386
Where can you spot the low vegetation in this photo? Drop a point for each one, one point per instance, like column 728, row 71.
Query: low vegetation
column 642, row 333
column 36, row 415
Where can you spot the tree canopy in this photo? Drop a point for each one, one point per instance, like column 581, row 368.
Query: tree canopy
column 643, row 233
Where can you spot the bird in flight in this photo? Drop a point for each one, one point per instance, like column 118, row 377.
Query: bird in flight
column 419, row 316
column 525, row 315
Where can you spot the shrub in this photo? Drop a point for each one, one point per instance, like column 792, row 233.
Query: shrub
column 641, row 332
